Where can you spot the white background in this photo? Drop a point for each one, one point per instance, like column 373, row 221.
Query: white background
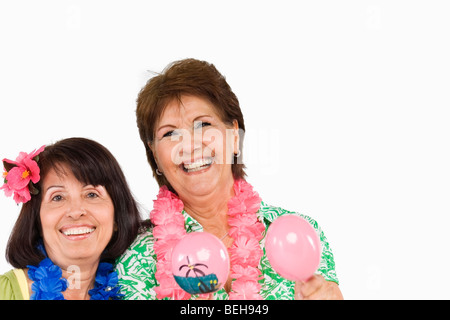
column 345, row 102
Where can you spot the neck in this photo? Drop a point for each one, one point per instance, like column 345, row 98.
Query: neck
column 211, row 211
column 81, row 279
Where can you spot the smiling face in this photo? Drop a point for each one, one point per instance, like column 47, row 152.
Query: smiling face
column 193, row 148
column 77, row 220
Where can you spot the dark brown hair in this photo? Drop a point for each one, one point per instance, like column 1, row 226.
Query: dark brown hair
column 91, row 163
column 187, row 77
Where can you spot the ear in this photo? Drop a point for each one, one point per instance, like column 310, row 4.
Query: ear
column 152, row 149
column 236, row 136
column 150, row 146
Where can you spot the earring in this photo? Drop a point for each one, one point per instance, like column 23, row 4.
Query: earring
column 159, row 173
column 238, row 154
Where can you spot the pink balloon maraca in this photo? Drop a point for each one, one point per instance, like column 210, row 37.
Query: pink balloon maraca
column 293, row 247
column 200, row 263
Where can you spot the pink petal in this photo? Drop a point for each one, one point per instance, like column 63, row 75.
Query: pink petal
column 242, row 220
column 7, row 189
column 22, row 196
column 162, row 215
column 245, row 251
column 168, row 288
column 21, row 156
column 169, row 231
column 245, row 273
column 34, row 153
column 236, row 207
column 33, row 168
column 245, row 290
column 250, row 231
column 163, row 248
column 15, row 180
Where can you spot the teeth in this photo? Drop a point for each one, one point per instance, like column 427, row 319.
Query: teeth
column 198, row 164
column 78, row 231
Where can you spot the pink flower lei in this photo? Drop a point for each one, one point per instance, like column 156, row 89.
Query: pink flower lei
column 245, row 252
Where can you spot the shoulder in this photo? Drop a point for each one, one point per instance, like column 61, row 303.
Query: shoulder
column 9, row 287
column 269, row 213
column 136, row 268
column 140, row 250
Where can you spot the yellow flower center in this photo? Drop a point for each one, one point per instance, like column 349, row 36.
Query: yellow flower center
column 25, row 174
column 5, row 173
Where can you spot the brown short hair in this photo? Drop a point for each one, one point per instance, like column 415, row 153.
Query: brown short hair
column 187, row 77
column 91, row 163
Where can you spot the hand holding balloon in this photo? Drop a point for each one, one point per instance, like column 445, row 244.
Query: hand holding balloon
column 293, row 247
column 200, row 263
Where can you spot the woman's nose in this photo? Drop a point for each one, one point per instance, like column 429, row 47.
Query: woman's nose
column 192, row 143
column 76, row 210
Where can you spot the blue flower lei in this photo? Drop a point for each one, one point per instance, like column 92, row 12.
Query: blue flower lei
column 48, row 283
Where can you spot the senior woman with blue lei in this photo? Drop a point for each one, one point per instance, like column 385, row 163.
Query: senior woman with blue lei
column 191, row 125
column 78, row 215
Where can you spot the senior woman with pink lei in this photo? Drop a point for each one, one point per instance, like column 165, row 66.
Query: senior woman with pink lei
column 191, row 125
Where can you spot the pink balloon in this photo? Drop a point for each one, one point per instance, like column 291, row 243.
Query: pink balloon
column 200, row 263
column 293, row 247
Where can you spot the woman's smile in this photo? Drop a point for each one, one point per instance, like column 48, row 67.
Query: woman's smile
column 77, row 232
column 197, row 166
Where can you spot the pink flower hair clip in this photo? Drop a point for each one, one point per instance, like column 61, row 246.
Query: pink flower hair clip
column 21, row 175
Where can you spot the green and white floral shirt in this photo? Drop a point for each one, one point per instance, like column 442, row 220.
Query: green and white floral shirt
column 137, row 266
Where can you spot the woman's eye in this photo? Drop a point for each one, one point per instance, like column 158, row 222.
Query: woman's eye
column 57, row 198
column 171, row 133
column 201, row 124
column 92, row 195
column 168, row 134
